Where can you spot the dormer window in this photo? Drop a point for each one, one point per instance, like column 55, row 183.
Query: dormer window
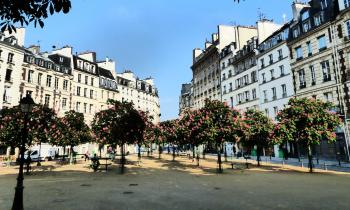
column 10, row 58
column 323, row 4
column 93, row 68
column 305, row 15
column 86, row 66
column 61, row 59
column 49, row 65
column 80, row 64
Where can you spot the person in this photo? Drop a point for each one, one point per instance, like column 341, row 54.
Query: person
column 28, row 161
column 87, row 155
column 95, row 162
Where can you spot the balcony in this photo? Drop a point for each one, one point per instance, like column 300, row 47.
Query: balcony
column 313, row 83
column 271, row 62
column 302, row 85
column 280, row 57
column 274, row 98
column 284, row 95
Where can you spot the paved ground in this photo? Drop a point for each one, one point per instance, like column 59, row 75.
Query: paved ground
column 163, row 184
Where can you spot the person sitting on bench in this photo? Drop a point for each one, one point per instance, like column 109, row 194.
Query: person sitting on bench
column 95, row 162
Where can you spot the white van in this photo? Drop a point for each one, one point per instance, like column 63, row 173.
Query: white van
column 46, row 153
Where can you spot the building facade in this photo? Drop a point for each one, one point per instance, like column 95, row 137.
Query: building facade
column 185, row 100
column 206, row 63
column 142, row 93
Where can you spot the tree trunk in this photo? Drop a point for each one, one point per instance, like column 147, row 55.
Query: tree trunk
column 123, row 158
column 148, row 151
column 151, row 149
column 258, row 154
column 159, row 151
column 197, row 159
column 64, row 153
column 310, row 158
column 139, row 152
column 193, row 152
column 173, row 153
column 225, row 153
column 219, row 158
column 203, row 152
column 71, row 155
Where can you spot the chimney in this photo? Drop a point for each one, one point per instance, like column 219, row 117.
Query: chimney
column 35, row 49
column 196, row 53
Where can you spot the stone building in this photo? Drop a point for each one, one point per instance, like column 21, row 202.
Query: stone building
column 185, row 99
column 142, row 93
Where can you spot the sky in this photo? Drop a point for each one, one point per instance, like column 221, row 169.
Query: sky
column 150, row 37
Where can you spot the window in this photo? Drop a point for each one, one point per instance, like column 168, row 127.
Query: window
column 262, row 63
column 47, row 100
column 85, row 107
column 253, row 75
column 347, row 23
column 326, row 71
column 323, row 4
column 30, row 76
column 346, row 3
column 280, row 54
column 309, row 48
column 282, row 70
column 267, row 112
column 64, row 103
column 302, row 82
column 91, row 94
column 265, row 95
column 56, row 83
column 78, row 91
column 48, row 81
column 299, row 53
column 295, row 32
column 284, row 91
column 86, row 80
column 79, row 78
column 92, row 81
column 85, row 92
column 328, row 96
column 272, row 71
column 90, row 108
column 270, row 58
column 274, row 95
column 65, row 85
column 305, row 15
column 40, row 75
column 318, row 19
column 77, row 106
column 223, row 76
column 306, row 26
column 10, row 58
column 322, row 42
column 61, row 59
column 313, row 75
column 254, row 93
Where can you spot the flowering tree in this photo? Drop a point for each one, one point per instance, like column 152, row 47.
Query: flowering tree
column 306, row 122
column 12, row 123
column 70, row 131
column 119, row 125
column 169, row 132
column 258, row 130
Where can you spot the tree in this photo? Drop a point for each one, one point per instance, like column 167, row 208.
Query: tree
column 70, row 131
column 12, row 121
column 119, row 125
column 258, row 130
column 306, row 122
column 21, row 12
column 169, row 132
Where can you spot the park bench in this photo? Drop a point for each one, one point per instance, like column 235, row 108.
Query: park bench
column 101, row 166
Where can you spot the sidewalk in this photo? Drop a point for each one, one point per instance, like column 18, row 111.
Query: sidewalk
column 321, row 164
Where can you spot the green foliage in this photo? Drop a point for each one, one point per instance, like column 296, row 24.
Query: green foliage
column 258, row 129
column 307, row 122
column 24, row 12
column 119, row 124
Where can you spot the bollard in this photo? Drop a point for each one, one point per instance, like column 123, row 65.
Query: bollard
column 325, row 166
column 302, row 164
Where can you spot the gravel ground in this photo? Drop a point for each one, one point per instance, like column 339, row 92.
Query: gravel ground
column 164, row 184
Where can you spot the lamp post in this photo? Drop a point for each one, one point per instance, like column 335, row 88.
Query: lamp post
column 26, row 104
column 219, row 146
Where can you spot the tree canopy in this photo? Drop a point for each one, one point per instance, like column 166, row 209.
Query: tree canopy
column 22, row 12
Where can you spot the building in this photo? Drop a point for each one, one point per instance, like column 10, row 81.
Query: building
column 11, row 59
column 48, row 79
column 142, row 93
column 185, row 100
column 206, row 63
column 239, row 68
column 243, row 90
column 276, row 81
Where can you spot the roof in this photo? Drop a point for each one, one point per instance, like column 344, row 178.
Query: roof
column 105, row 73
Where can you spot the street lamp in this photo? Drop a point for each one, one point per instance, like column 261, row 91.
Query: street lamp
column 26, row 104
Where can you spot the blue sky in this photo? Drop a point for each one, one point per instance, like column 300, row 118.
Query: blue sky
column 151, row 37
